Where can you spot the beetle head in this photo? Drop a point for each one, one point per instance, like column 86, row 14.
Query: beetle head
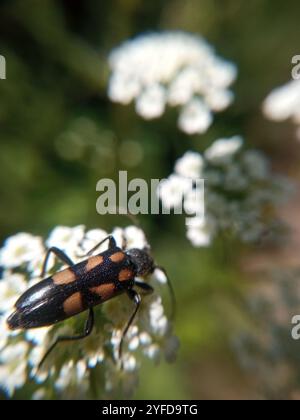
column 142, row 261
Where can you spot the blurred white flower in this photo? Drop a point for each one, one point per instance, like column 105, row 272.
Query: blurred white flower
column 192, row 204
column 123, row 88
column 152, row 351
column 283, row 103
column 172, row 190
column 195, row 117
column 160, row 276
column 94, row 359
column 158, row 321
column 234, row 179
column 239, row 188
column 65, row 377
column 37, row 335
column 190, row 165
column 134, row 343
column 218, row 100
column 145, row 338
column 92, row 238
column 151, row 103
column 131, row 237
column 19, row 249
column 129, row 363
column 67, row 373
column 174, row 68
column 256, row 165
column 11, row 289
column 13, row 367
column 66, row 238
column 222, row 151
column 200, row 232
column 5, row 333
column 171, row 348
column 182, row 88
column 40, row 394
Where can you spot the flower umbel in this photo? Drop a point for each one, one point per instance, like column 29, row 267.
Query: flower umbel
column 172, row 68
column 240, row 192
column 87, row 368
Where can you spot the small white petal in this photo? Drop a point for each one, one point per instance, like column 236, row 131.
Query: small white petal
column 190, row 165
column 151, row 103
column 153, row 352
column 145, row 338
column 80, row 370
column 200, row 232
column 129, row 363
column 133, row 343
column 222, row 151
column 221, row 72
column 218, row 100
column 283, row 102
column 195, row 117
column 160, row 276
column 123, row 89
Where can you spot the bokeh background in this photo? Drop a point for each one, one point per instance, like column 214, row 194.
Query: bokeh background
column 60, row 134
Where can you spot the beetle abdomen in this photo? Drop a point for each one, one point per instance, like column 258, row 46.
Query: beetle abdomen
column 39, row 315
column 39, row 306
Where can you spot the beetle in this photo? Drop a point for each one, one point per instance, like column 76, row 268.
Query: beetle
column 84, row 285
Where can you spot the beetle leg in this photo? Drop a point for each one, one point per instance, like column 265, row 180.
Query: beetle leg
column 111, row 244
column 171, row 290
column 136, row 298
column 59, row 254
column 88, row 327
column 144, row 286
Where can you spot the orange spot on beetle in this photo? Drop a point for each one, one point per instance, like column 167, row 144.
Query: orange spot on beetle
column 64, row 277
column 105, row 291
column 117, row 257
column 93, row 262
column 125, row 274
column 73, row 304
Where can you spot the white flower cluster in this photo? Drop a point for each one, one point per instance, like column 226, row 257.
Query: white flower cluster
column 239, row 187
column 283, row 103
column 175, row 69
column 87, row 366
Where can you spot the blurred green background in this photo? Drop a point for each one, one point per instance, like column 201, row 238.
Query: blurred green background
column 60, row 135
